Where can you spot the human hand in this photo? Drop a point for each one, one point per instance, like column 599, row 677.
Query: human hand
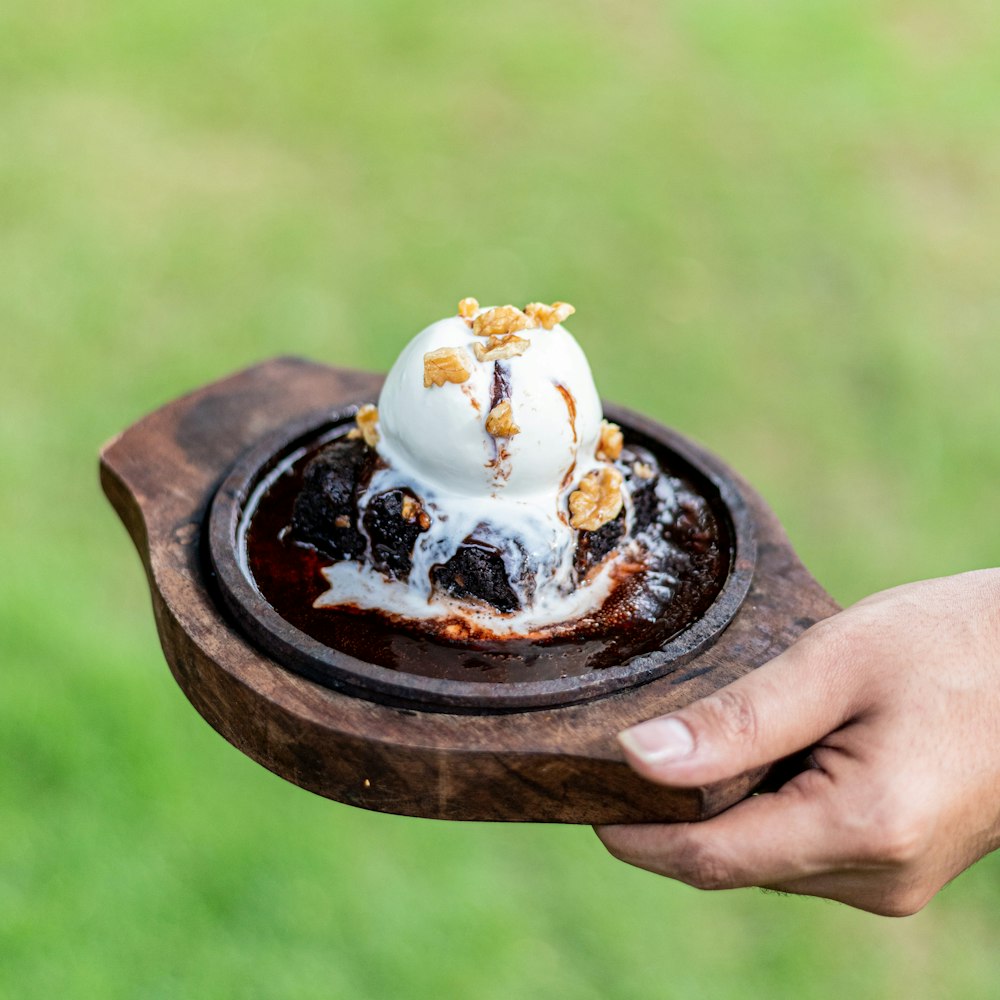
column 899, row 698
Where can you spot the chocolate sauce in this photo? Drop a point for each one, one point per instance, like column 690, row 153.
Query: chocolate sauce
column 634, row 619
column 500, row 388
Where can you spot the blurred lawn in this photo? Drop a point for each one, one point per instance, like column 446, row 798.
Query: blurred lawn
column 779, row 226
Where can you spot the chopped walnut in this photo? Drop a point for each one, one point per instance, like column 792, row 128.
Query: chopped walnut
column 366, row 419
column 500, row 320
column 609, row 445
column 447, row 364
column 467, row 308
column 643, row 470
column 341, row 521
column 597, row 500
column 413, row 511
column 500, row 421
column 508, row 345
column 549, row 316
column 411, row 507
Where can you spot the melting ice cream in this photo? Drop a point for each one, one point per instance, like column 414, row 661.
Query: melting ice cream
column 490, row 442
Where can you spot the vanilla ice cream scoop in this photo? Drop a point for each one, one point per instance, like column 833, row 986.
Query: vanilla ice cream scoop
column 442, row 433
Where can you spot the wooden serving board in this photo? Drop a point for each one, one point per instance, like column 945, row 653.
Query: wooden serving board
column 558, row 764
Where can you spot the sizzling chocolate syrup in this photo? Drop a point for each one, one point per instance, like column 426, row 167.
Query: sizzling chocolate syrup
column 633, row 620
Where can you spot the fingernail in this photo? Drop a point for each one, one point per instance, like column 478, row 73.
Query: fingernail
column 658, row 740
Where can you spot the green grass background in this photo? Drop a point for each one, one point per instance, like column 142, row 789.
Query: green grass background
column 779, row 224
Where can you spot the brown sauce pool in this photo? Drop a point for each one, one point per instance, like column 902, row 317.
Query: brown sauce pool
column 698, row 554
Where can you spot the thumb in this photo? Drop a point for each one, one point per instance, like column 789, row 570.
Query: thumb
column 781, row 707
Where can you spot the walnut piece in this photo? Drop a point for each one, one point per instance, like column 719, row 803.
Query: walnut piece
column 413, row 511
column 597, row 500
column 467, row 308
column 411, row 508
column 549, row 316
column 609, row 445
column 643, row 470
column 500, row 320
column 508, row 345
column 447, row 364
column 367, row 418
column 500, row 421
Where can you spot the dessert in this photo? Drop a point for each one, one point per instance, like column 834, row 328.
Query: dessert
column 484, row 504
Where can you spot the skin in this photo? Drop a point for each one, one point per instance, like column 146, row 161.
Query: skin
column 899, row 698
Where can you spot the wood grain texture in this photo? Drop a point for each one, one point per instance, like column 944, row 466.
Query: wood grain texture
column 550, row 765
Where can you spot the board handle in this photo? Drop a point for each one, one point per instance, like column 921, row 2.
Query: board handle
column 192, row 442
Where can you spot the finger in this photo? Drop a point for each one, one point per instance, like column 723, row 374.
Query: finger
column 860, row 889
column 766, row 840
column 781, row 707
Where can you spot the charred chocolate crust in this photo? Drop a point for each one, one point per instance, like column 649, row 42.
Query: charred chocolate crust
column 647, row 506
column 392, row 536
column 477, row 570
column 594, row 547
column 325, row 513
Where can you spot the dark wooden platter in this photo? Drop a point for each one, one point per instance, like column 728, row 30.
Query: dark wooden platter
column 558, row 763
